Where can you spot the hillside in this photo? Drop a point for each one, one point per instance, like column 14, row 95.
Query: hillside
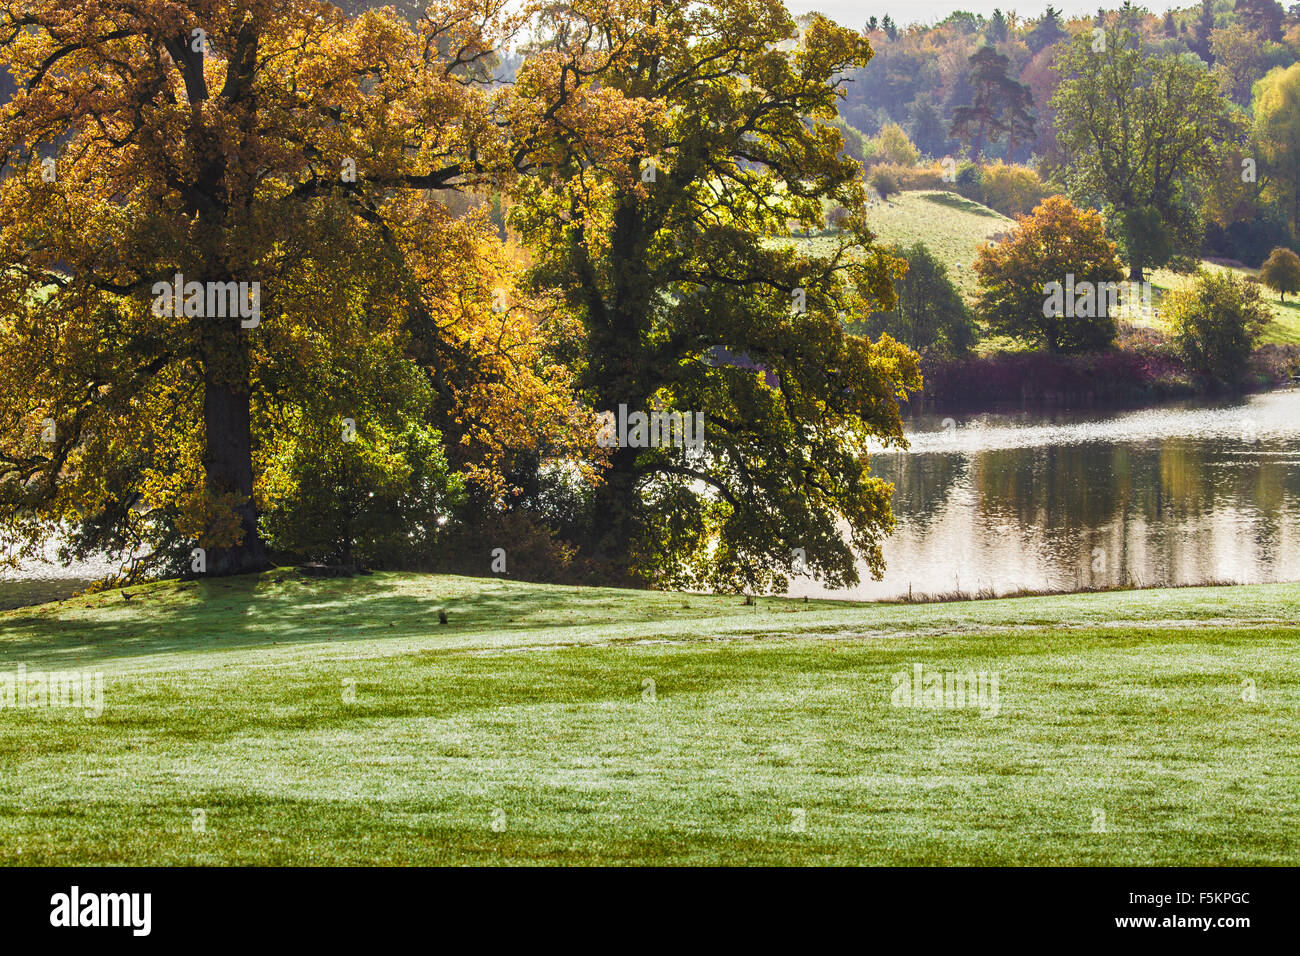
column 276, row 719
column 954, row 227
column 950, row 226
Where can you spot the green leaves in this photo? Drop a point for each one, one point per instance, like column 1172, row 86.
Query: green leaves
column 686, row 288
column 1140, row 134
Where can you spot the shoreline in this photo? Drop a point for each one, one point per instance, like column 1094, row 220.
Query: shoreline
column 1116, row 379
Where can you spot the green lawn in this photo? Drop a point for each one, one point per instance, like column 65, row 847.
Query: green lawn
column 951, row 226
column 1285, row 328
column 527, row 729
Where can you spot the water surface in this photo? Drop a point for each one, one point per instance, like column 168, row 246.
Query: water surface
column 1186, row 494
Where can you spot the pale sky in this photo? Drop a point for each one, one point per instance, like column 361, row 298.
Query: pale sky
column 854, row 13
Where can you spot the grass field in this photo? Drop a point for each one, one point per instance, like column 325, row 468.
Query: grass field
column 1285, row 328
column 951, row 226
column 279, row 720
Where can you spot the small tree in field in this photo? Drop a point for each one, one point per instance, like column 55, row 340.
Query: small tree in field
column 884, row 183
column 1281, row 272
column 1215, row 323
column 893, row 145
column 1053, row 280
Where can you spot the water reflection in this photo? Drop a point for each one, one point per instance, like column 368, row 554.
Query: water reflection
column 1175, row 495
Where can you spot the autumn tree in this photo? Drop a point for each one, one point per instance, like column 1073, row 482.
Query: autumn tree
column 1281, row 272
column 208, row 205
column 1053, row 281
column 1276, row 135
column 1140, row 134
column 691, row 295
column 893, row 146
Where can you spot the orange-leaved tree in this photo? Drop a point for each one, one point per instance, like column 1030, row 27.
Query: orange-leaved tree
column 1054, row 280
column 219, row 220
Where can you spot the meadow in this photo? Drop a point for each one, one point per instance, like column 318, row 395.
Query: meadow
column 274, row 719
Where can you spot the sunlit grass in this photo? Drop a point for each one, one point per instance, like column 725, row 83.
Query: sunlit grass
column 335, row 721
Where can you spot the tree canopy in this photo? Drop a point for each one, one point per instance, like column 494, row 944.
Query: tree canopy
column 283, row 160
column 1142, row 133
column 690, row 296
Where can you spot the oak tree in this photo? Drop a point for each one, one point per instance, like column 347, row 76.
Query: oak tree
column 207, row 209
column 690, row 292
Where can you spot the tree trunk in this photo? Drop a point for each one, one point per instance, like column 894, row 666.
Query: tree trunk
column 1135, row 272
column 228, row 452
column 614, row 511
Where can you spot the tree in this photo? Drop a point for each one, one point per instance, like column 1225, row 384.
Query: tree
column 1281, row 272
column 1140, row 134
column 997, row 31
column 235, row 195
column 1276, row 136
column 1048, row 31
column 1053, row 280
column 926, row 126
column 1262, row 18
column 1170, row 25
column 1215, row 322
column 930, row 315
column 887, row 24
column 893, row 146
column 1000, row 105
column 1239, row 60
column 691, row 295
column 1204, row 27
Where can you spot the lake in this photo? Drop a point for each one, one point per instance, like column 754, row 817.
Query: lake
column 1186, row 494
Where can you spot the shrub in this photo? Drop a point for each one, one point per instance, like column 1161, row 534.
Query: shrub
column 883, row 182
column 1215, row 323
column 915, row 177
column 374, row 500
column 1011, row 189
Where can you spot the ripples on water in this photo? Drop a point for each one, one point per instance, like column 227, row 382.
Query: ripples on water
column 51, row 580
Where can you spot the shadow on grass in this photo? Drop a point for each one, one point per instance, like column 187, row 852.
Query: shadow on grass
column 282, row 607
column 275, row 608
column 953, row 201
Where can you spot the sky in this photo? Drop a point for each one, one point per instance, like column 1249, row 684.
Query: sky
column 853, row 13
